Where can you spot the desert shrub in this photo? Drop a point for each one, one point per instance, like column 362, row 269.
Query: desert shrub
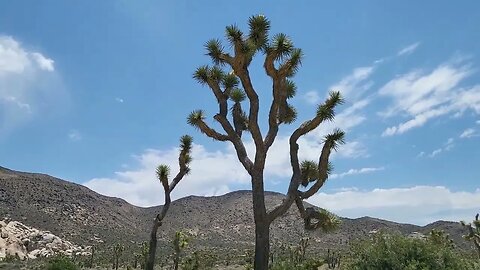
column 61, row 263
column 393, row 251
column 287, row 264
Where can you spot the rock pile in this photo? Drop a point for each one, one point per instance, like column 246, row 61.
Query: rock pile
column 19, row 240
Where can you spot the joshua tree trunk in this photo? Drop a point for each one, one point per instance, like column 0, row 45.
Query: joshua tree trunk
column 262, row 225
column 152, row 245
column 262, row 246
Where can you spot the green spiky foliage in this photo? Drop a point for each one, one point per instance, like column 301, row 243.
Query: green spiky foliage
column 229, row 80
column 309, row 172
column 163, row 171
column 326, row 111
column 335, row 139
column 473, row 232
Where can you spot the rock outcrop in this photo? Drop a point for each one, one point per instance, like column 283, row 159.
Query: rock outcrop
column 24, row 242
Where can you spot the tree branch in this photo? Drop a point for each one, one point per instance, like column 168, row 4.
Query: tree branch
column 254, row 108
column 210, row 132
column 237, row 143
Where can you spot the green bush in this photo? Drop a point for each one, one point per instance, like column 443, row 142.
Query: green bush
column 392, row 252
column 61, row 263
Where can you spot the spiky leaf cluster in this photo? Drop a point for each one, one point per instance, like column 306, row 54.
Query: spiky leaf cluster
column 195, row 117
column 290, row 89
column 163, row 172
column 281, row 46
column 205, row 73
column 326, row 111
column 336, row 138
column 185, row 152
column 234, row 34
column 328, row 221
column 259, row 26
column 215, row 50
column 290, row 114
column 230, row 81
column 309, row 172
column 237, row 95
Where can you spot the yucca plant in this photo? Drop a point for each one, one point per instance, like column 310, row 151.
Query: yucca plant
column 231, row 84
column 163, row 173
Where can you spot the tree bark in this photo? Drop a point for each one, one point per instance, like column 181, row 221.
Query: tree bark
column 262, row 224
column 262, row 246
column 153, row 246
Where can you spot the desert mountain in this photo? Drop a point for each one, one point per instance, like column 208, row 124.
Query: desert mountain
column 75, row 213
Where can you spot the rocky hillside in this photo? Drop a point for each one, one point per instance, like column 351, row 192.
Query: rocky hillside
column 78, row 214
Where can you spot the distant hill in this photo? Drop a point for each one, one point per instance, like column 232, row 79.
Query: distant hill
column 80, row 215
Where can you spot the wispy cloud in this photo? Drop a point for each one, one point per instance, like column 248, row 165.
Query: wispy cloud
column 354, row 85
column 446, row 147
column 356, row 172
column 409, row 49
column 425, row 96
column 74, row 135
column 418, row 205
column 468, row 133
column 119, row 100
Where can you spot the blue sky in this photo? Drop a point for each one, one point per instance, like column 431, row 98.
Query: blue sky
column 97, row 92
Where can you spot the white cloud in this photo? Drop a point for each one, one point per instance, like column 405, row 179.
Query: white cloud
column 409, row 49
column 74, row 135
column 356, row 172
column 119, row 100
column 140, row 187
column 468, row 133
column 354, row 85
column 43, row 62
column 418, row 205
column 423, row 97
column 312, row 97
column 28, row 84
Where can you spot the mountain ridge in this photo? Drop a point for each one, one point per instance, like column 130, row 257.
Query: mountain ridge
column 81, row 215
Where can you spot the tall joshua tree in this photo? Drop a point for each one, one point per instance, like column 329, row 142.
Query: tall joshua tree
column 163, row 172
column 281, row 61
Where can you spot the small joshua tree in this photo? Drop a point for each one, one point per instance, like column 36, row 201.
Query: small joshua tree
column 281, row 61
column 117, row 253
column 163, row 172
column 473, row 232
column 179, row 243
column 333, row 259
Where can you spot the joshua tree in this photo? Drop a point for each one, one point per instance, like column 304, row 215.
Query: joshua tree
column 473, row 232
column 117, row 253
column 179, row 243
column 333, row 259
column 281, row 61
column 163, row 172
